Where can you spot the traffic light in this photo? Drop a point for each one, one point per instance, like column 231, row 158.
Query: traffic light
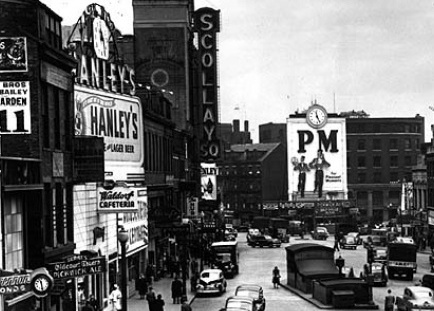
column 370, row 254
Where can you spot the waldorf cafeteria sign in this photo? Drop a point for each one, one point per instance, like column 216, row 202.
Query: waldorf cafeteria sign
column 117, row 200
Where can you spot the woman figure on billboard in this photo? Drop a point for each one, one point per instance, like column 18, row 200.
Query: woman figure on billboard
column 302, row 167
column 318, row 164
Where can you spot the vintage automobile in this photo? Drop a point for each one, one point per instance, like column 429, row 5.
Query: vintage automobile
column 237, row 303
column 320, row 233
column 229, row 236
column 211, row 281
column 252, row 232
column 254, row 291
column 378, row 237
column 348, row 242
column 230, row 228
column 264, row 240
column 356, row 236
column 377, row 275
column 380, row 255
column 428, row 281
column 416, row 298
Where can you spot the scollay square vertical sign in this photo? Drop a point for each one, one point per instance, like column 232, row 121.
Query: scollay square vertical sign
column 207, row 25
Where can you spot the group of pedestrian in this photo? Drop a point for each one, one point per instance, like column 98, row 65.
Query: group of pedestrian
column 155, row 302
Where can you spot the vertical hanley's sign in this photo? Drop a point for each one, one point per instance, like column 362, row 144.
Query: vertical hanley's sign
column 207, row 24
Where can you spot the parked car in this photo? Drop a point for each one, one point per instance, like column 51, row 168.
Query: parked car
column 211, row 281
column 237, row 303
column 378, row 274
column 229, row 236
column 348, row 242
column 264, row 240
column 254, row 291
column 320, row 233
column 416, row 298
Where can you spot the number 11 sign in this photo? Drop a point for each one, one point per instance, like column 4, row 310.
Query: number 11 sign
column 15, row 107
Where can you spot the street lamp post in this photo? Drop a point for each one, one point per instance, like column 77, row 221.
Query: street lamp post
column 123, row 238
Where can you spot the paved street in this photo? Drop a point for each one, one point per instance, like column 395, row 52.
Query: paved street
column 257, row 263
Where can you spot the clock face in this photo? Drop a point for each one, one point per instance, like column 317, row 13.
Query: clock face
column 316, row 117
column 101, row 38
column 41, row 284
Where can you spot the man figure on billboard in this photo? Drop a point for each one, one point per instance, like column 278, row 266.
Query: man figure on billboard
column 318, row 164
column 302, row 167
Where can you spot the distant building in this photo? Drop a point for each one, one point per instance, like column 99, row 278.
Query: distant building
column 230, row 134
column 272, row 133
column 380, row 155
column 250, row 176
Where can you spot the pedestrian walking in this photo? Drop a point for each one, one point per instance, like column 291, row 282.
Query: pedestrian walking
column 116, row 298
column 142, row 286
column 159, row 303
column 276, row 277
column 176, row 290
column 185, row 305
column 150, row 274
column 389, row 301
column 93, row 302
column 336, row 245
column 150, row 297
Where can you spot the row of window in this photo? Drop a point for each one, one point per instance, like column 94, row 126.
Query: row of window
column 158, row 153
column 241, row 170
column 383, row 128
column 379, row 162
column 57, row 118
column 381, row 144
column 377, row 177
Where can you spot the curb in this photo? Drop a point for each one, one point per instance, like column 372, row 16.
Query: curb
column 326, row 307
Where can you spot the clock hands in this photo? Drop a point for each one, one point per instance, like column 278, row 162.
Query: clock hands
column 316, row 113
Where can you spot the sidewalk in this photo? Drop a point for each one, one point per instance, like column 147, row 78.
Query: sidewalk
column 163, row 287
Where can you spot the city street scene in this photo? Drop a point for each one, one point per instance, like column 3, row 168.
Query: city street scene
column 214, row 155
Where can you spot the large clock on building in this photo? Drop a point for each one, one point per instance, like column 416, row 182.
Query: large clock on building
column 316, row 116
column 101, row 36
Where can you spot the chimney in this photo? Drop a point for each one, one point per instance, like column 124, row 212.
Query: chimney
column 236, row 126
column 246, row 126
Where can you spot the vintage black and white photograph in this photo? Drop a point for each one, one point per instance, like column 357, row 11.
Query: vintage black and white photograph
column 216, row 155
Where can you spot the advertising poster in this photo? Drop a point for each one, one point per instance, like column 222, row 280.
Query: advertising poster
column 116, row 118
column 15, row 107
column 13, row 54
column 208, row 182
column 317, row 158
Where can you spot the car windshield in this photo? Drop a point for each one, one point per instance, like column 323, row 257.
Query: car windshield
column 224, row 257
column 267, row 237
column 243, row 292
column 376, row 268
column 352, row 234
column 210, row 275
column 320, row 229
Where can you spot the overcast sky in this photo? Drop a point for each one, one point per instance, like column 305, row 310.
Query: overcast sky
column 277, row 56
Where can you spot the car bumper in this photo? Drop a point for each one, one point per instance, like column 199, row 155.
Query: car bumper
column 200, row 289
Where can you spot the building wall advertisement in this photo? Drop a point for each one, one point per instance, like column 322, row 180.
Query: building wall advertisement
column 304, row 143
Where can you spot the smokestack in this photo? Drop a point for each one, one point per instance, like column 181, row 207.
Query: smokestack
column 236, row 126
column 246, row 126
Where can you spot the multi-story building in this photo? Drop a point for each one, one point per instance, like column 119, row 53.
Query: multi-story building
column 251, row 176
column 272, row 133
column 380, row 155
column 37, row 146
column 230, row 134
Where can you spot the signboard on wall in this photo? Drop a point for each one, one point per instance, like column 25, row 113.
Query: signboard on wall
column 312, row 149
column 118, row 119
column 117, row 200
column 13, row 52
column 209, row 172
column 15, row 107
column 207, row 25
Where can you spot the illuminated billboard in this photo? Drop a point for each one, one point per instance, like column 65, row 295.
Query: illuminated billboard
column 317, row 155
